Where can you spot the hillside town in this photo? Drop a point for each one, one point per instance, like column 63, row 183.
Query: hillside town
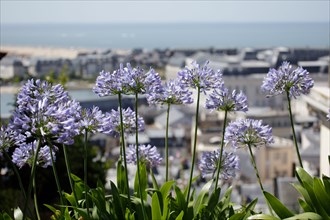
column 243, row 70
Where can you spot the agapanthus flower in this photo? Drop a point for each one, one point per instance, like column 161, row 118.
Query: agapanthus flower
column 222, row 99
column 172, row 92
column 136, row 80
column 248, row 132
column 147, row 154
column 35, row 91
column 111, row 122
column 9, row 138
column 209, row 163
column 204, row 77
column 92, row 120
column 109, row 83
column 286, row 79
column 24, row 155
column 46, row 115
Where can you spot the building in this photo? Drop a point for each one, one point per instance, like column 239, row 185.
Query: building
column 11, row 67
column 276, row 160
column 318, row 104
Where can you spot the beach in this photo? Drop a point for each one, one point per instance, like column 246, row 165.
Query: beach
column 49, row 52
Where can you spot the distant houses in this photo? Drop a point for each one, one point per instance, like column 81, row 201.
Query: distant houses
column 232, row 62
column 11, row 67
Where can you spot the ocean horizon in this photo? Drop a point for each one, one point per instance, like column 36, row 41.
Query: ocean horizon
column 166, row 35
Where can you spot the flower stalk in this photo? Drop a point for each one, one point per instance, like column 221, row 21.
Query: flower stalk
column 68, row 170
column 166, row 140
column 293, row 130
column 58, row 185
column 123, row 147
column 32, row 177
column 221, row 150
column 258, row 177
column 85, row 171
column 137, row 154
column 194, row 145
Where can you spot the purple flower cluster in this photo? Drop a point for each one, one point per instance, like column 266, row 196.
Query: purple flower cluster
column 244, row 132
column 9, row 138
column 25, row 154
column 285, row 79
column 222, row 99
column 126, row 80
column 111, row 122
column 92, row 120
column 47, row 111
column 34, row 91
column 204, row 78
column 209, row 163
column 147, row 154
column 172, row 92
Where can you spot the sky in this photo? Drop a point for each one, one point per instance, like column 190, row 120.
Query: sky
column 57, row 11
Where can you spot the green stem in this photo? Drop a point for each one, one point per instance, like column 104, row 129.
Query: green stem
column 137, row 154
column 32, row 176
column 293, row 131
column 194, row 146
column 68, row 170
column 35, row 199
column 166, row 140
column 258, row 177
column 221, row 150
column 17, row 174
column 18, row 177
column 123, row 147
column 55, row 174
column 85, row 171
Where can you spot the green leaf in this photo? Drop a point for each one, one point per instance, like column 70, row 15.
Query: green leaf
column 237, row 216
column 166, row 188
column 155, row 211
column 246, row 211
column 51, row 208
column 5, row 216
column 304, row 193
column 121, row 177
column 321, row 195
column 252, row 204
column 277, row 206
column 143, row 184
column 154, row 181
column 180, row 199
column 305, row 216
column 180, row 216
column 199, row 201
column 263, row 217
column 214, row 199
column 166, row 209
column 116, row 201
column 326, row 182
column 226, row 197
column 303, row 176
column 67, row 214
column 316, row 205
column 82, row 212
column 305, row 206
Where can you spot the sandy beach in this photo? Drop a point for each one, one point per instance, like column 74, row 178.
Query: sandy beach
column 50, row 52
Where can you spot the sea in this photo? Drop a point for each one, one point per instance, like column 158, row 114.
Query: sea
column 167, row 35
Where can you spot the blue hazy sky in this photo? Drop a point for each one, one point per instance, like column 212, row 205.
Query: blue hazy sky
column 163, row 11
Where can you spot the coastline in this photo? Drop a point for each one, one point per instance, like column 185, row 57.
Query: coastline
column 49, row 52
